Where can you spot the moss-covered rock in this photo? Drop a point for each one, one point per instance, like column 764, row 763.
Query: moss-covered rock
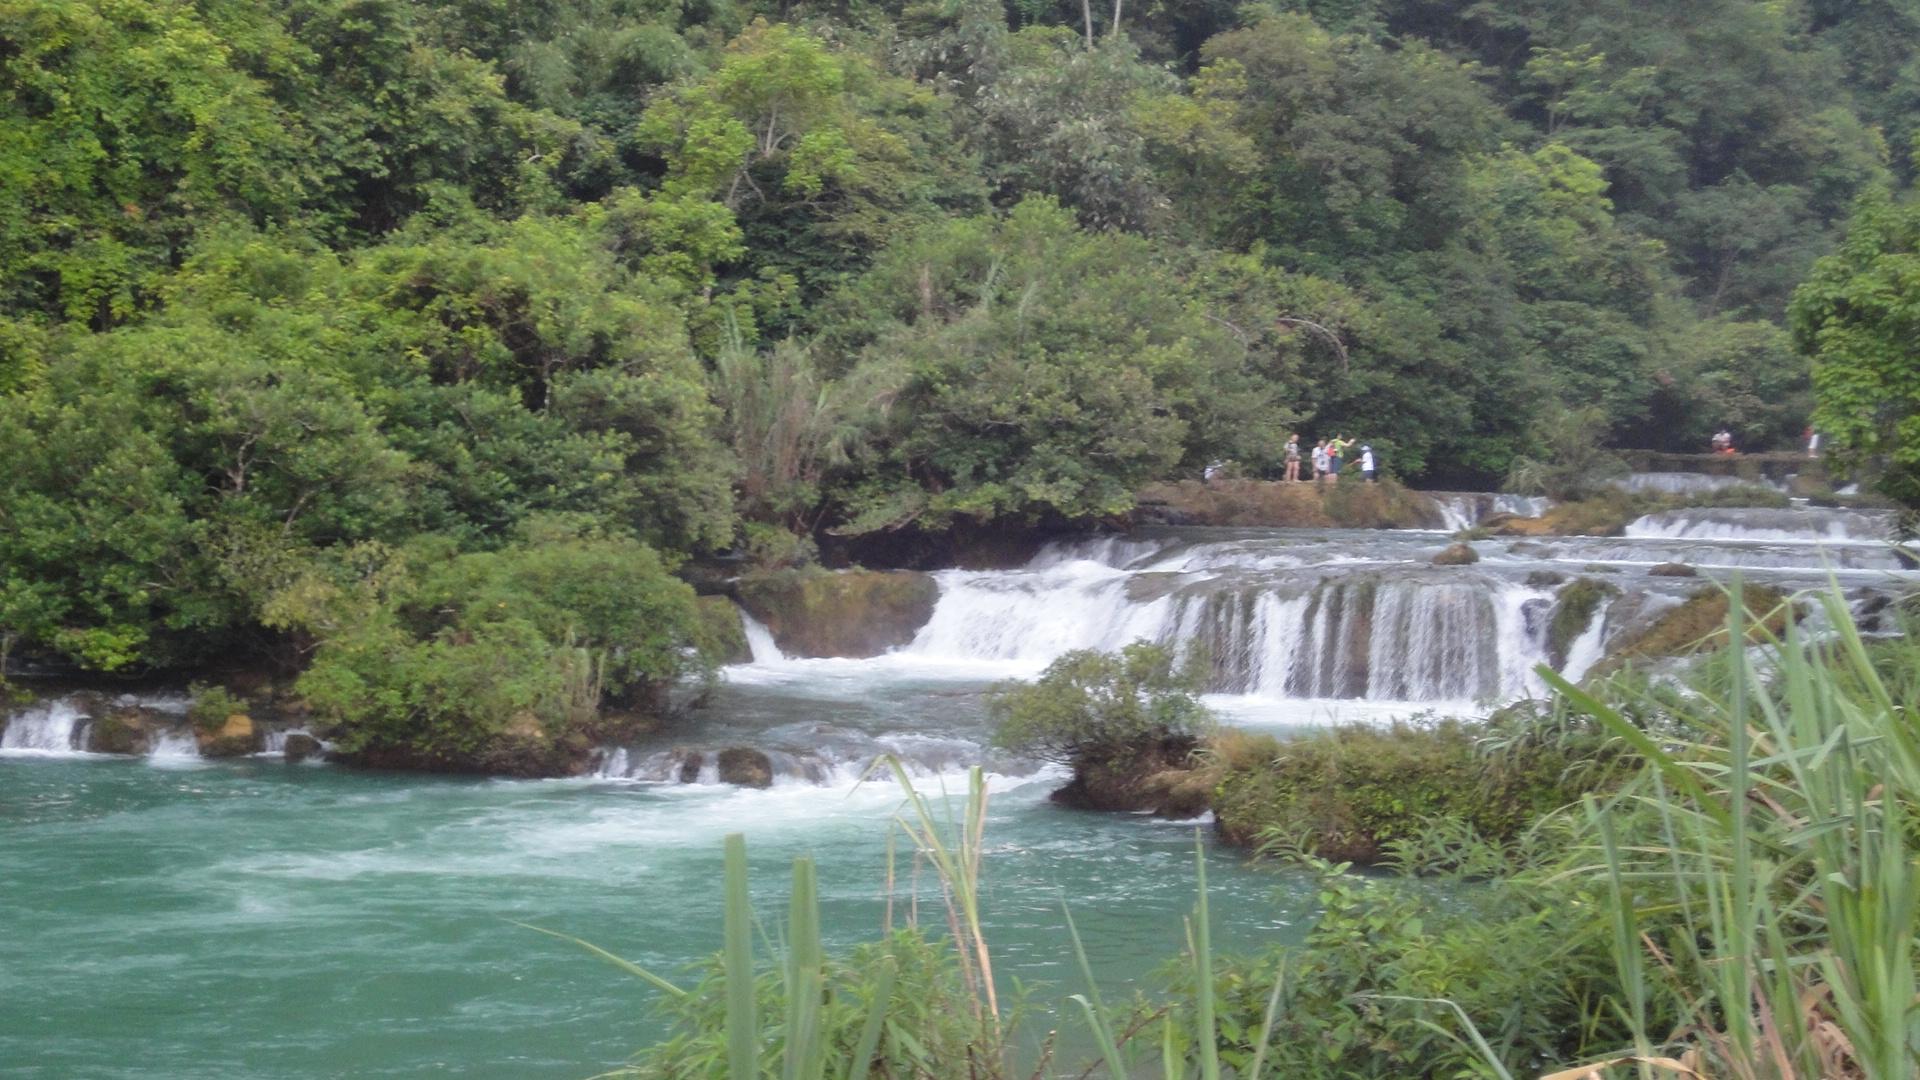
column 1457, row 555
column 236, row 736
column 1351, row 504
column 853, row 613
column 1699, row 625
column 122, row 731
column 1573, row 611
column 744, row 766
column 1160, row 779
column 1345, row 793
column 719, row 633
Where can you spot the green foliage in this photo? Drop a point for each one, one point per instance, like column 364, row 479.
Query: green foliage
column 1044, row 369
column 211, row 707
column 491, row 661
column 1858, row 317
column 1574, row 463
column 1090, row 706
column 1349, row 792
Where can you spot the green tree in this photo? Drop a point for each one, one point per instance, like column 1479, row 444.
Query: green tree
column 125, row 128
column 1857, row 318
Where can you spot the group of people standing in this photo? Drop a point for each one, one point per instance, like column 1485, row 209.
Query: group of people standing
column 1327, row 458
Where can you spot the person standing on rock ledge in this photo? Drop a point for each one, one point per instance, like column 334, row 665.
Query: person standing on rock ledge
column 1366, row 463
column 1293, row 458
column 1320, row 461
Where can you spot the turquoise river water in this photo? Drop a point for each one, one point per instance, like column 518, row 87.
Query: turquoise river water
column 255, row 919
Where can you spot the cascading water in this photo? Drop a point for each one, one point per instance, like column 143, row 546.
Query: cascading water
column 1801, row 525
column 55, row 727
column 1690, row 483
column 1407, row 634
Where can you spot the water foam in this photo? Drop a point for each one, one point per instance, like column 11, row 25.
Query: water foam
column 52, row 729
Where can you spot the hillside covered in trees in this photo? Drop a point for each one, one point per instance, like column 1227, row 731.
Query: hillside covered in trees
column 378, row 325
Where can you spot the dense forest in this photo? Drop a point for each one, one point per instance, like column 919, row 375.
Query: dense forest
column 428, row 337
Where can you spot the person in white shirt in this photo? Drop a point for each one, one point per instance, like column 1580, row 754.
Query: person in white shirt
column 1366, row 463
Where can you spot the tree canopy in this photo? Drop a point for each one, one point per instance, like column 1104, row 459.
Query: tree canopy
column 284, row 285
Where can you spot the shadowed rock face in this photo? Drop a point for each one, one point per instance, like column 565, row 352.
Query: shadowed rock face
column 853, row 613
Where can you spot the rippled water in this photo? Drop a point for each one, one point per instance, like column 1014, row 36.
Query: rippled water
column 256, row 919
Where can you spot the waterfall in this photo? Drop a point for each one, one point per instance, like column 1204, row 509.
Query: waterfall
column 1690, row 483
column 760, row 640
column 1412, row 635
column 1457, row 511
column 1522, row 505
column 1587, row 649
column 55, row 727
column 174, row 747
column 1800, row 525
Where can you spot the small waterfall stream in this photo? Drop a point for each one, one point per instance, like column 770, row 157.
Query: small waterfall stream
column 54, row 727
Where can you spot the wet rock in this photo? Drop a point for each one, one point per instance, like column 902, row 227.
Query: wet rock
column 1699, row 625
column 1599, row 568
column 1160, row 778
column 122, row 731
column 851, row 613
column 690, row 764
column 1544, row 579
column 233, row 738
column 1529, row 549
column 1673, row 569
column 299, row 746
column 745, row 767
column 1574, row 610
column 1457, row 555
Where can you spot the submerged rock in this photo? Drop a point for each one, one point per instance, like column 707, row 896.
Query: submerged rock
column 744, row 766
column 1544, row 579
column 1457, row 555
column 851, row 613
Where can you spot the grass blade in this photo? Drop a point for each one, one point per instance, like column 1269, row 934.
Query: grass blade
column 743, row 1025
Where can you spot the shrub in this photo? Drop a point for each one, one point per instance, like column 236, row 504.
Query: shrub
column 211, row 707
column 497, row 661
column 1347, row 792
column 1093, row 706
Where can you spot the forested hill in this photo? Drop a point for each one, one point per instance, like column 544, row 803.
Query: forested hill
column 289, row 289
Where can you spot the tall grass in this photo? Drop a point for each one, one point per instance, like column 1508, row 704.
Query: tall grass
column 1761, row 869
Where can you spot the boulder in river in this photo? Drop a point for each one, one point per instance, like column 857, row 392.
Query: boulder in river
column 1674, row 569
column 1545, row 579
column 1457, row 555
column 233, row 738
column 121, row 731
column 298, row 746
column 852, row 613
column 744, row 766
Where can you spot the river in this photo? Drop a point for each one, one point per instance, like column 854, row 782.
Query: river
column 168, row 916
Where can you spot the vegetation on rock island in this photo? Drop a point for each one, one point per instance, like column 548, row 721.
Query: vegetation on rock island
column 285, row 281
